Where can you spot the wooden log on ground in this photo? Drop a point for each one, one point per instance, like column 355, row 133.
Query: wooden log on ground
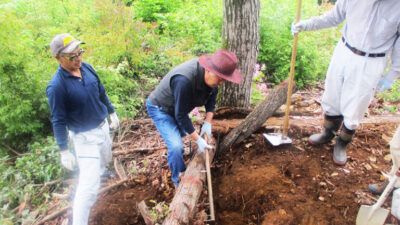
column 144, row 211
column 255, row 119
column 182, row 207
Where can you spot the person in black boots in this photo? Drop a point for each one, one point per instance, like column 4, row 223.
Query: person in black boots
column 369, row 36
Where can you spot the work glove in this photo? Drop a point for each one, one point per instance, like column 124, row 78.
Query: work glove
column 202, row 144
column 67, row 159
column 114, row 121
column 206, row 128
column 298, row 27
column 383, row 85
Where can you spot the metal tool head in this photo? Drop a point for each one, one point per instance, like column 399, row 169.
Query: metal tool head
column 368, row 216
column 277, row 139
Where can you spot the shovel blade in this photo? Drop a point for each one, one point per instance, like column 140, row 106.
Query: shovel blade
column 277, row 139
column 367, row 216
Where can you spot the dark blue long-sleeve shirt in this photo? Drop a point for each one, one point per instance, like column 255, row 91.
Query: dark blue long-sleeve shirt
column 75, row 103
column 182, row 90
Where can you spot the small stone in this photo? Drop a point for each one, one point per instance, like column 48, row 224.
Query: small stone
column 334, row 174
column 323, row 184
column 321, row 198
column 282, row 212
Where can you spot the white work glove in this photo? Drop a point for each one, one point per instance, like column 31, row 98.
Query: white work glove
column 206, row 128
column 298, row 27
column 67, row 159
column 383, row 85
column 202, row 144
column 114, row 121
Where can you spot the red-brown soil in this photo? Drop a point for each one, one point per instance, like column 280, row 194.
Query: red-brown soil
column 256, row 183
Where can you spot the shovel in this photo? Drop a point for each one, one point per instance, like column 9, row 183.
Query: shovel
column 277, row 138
column 375, row 215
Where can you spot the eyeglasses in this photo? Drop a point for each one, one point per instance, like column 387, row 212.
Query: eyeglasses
column 72, row 58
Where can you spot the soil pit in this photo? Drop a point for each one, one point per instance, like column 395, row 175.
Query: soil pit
column 256, row 183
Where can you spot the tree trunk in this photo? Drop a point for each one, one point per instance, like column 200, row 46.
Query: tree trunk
column 182, row 207
column 256, row 118
column 240, row 34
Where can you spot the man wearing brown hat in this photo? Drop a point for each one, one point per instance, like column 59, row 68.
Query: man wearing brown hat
column 189, row 85
column 79, row 103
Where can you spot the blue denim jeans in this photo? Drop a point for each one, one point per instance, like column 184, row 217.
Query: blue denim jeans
column 172, row 136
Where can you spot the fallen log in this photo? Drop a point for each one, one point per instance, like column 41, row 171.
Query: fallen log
column 129, row 151
column 182, row 207
column 257, row 117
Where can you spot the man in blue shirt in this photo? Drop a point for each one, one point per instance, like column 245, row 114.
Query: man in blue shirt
column 191, row 84
column 78, row 102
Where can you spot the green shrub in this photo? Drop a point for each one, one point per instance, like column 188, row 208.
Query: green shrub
column 39, row 165
column 23, row 105
column 276, row 41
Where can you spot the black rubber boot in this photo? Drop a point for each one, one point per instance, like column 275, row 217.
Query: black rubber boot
column 331, row 126
column 339, row 151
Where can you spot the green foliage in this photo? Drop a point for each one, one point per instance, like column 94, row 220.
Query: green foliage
column 159, row 211
column 23, row 106
column 194, row 25
column 313, row 50
column 39, row 165
column 154, row 10
column 393, row 95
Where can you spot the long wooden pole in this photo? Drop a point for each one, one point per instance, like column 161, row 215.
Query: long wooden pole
column 292, row 66
column 210, row 190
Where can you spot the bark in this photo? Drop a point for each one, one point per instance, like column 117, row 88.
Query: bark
column 256, row 118
column 240, row 35
column 182, row 207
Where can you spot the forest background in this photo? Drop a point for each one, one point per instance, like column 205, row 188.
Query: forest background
column 132, row 45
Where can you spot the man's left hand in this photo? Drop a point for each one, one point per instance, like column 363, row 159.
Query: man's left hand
column 114, row 121
column 206, row 128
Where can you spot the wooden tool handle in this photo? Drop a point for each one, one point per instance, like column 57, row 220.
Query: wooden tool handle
column 292, row 66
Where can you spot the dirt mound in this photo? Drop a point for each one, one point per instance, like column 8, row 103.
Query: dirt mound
column 257, row 183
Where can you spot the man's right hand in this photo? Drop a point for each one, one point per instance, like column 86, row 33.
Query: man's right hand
column 67, row 159
column 202, row 144
column 298, row 27
column 383, row 85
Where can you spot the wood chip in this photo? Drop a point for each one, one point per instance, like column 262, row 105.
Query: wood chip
column 388, row 158
column 367, row 166
column 372, row 159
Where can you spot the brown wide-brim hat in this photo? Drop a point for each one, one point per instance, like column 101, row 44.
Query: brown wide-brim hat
column 223, row 64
